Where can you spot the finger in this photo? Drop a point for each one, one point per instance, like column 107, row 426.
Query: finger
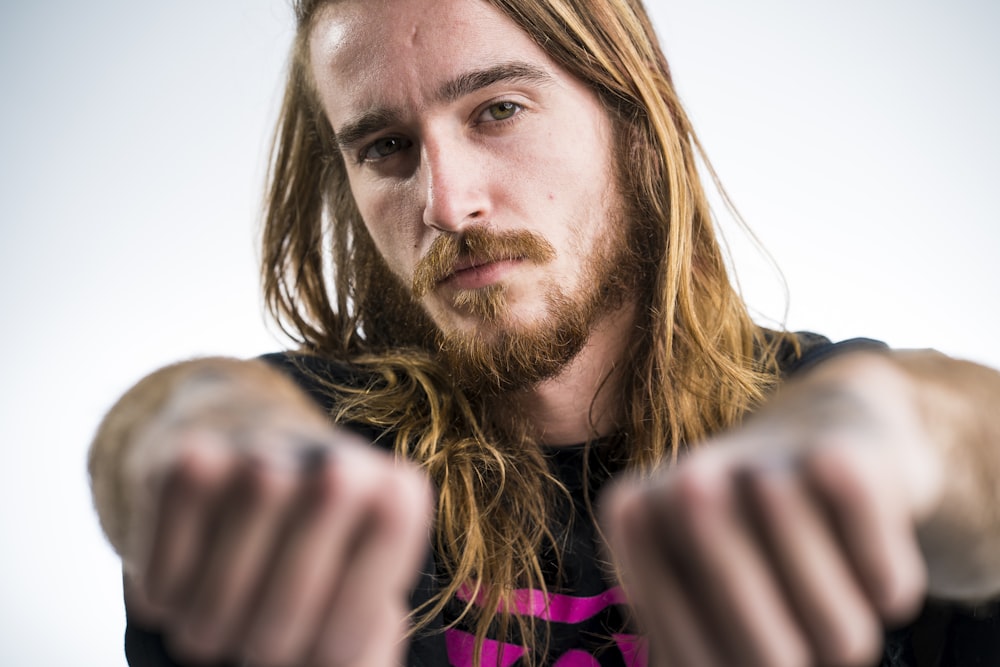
column 314, row 557
column 869, row 514
column 388, row 640
column 735, row 594
column 841, row 624
column 182, row 518
column 249, row 521
column 307, row 566
column 650, row 581
column 382, row 567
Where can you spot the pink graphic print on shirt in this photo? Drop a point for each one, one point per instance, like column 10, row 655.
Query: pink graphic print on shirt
column 548, row 607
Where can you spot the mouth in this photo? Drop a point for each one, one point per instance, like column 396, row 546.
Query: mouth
column 472, row 272
column 469, row 263
column 477, row 258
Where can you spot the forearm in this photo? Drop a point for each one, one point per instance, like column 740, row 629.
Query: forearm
column 797, row 536
column 940, row 420
column 960, row 404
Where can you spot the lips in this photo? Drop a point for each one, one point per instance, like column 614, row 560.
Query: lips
column 469, row 263
column 476, row 273
column 477, row 257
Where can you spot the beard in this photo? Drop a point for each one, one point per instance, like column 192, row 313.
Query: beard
column 515, row 357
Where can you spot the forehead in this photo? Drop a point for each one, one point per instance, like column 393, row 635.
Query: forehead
column 365, row 50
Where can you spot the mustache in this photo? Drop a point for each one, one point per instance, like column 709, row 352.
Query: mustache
column 478, row 246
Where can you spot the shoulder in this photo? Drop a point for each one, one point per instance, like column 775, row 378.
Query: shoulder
column 325, row 380
column 802, row 350
column 317, row 374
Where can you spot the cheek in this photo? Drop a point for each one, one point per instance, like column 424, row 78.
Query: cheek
column 568, row 178
column 392, row 222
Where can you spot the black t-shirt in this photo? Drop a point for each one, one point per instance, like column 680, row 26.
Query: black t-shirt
column 583, row 610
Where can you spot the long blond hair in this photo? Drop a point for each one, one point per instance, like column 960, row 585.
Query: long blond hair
column 697, row 363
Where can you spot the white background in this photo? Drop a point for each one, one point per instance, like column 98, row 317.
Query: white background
column 858, row 138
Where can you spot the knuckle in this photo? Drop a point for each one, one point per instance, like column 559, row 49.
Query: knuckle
column 623, row 504
column 859, row 646
column 614, row 512
column 416, row 491
column 902, row 595
column 266, row 485
column 344, row 485
column 841, row 471
column 392, row 501
column 193, row 471
column 691, row 498
column 192, row 475
column 694, row 485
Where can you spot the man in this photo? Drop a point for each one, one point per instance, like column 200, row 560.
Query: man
column 486, row 228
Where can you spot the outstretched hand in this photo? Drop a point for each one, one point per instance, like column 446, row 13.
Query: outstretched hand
column 791, row 540
column 268, row 538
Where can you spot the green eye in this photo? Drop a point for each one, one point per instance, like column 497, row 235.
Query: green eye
column 502, row 110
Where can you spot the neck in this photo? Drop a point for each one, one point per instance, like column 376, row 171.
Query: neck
column 583, row 401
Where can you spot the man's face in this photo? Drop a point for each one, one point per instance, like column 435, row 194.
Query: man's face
column 481, row 169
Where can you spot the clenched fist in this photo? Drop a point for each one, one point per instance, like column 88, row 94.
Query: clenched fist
column 792, row 541
column 254, row 531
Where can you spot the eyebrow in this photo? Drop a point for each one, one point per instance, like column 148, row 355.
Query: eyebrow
column 373, row 120
column 470, row 82
column 369, row 122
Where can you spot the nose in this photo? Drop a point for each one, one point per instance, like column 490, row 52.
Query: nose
column 456, row 194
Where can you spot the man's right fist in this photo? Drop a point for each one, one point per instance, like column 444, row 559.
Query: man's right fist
column 258, row 533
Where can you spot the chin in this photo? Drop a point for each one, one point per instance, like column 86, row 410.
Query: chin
column 486, row 312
